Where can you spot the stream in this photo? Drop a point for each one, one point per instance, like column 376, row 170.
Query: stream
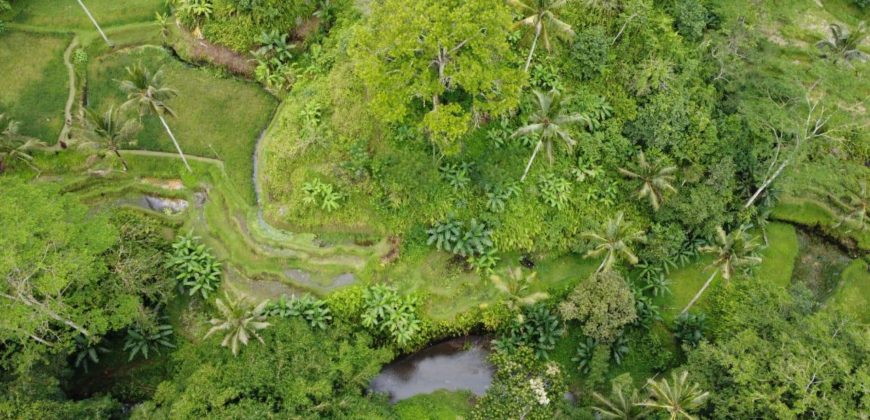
column 457, row 364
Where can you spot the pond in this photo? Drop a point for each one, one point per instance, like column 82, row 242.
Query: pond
column 457, row 364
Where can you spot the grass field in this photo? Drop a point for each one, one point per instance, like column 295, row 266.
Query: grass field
column 218, row 117
column 777, row 264
column 34, row 82
column 68, row 15
column 439, row 405
column 853, row 292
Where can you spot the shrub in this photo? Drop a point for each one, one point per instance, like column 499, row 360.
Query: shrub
column 457, row 175
column 589, row 52
column 690, row 18
column 392, row 315
column 317, row 191
column 195, row 268
column 497, row 196
column 148, row 339
column 537, row 329
column 555, row 190
column 584, row 355
column 455, row 237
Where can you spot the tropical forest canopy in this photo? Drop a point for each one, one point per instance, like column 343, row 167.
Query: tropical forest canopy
column 250, row 208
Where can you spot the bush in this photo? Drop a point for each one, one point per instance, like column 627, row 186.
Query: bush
column 689, row 328
column 604, row 304
column 314, row 311
column 394, row 316
column 537, row 329
column 195, row 268
column 589, row 52
column 690, row 18
column 455, row 237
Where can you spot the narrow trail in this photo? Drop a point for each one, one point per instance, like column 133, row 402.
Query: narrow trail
column 172, row 155
column 70, row 100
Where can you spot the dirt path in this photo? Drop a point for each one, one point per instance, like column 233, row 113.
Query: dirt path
column 172, row 156
column 70, row 100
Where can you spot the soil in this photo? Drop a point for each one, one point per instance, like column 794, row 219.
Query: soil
column 202, row 50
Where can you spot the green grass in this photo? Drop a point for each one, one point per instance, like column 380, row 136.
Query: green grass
column 812, row 213
column 778, row 258
column 217, row 117
column 439, row 405
column 68, row 15
column 853, row 293
column 34, row 82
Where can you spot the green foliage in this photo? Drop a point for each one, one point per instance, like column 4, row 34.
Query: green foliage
column 796, row 358
column 461, row 239
column 678, row 397
column 87, row 353
column 603, row 304
column 15, row 147
column 326, row 194
column 523, row 386
column 238, row 321
column 392, row 315
column 142, row 340
column 299, row 372
column 585, row 354
column 689, row 328
column 497, row 196
column 457, row 175
column 314, row 311
column 555, row 190
column 438, row 405
column 536, row 328
column 194, row 266
column 514, row 287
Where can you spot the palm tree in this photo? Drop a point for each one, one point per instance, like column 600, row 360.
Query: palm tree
column 548, row 121
column 108, row 131
column 541, row 15
column 239, row 322
column 735, row 250
column 515, row 287
column 615, row 240
column 97, row 25
column 655, row 177
column 856, row 206
column 678, row 397
column 843, row 43
column 146, row 92
column 620, row 406
column 14, row 145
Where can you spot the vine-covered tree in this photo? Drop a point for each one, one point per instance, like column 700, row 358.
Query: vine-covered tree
column 450, row 56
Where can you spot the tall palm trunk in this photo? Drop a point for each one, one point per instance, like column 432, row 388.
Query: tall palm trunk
column 94, row 21
column 700, row 292
column 175, row 142
column 529, row 165
column 123, row 161
column 538, row 28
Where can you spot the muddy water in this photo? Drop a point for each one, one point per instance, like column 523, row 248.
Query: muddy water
column 458, row 364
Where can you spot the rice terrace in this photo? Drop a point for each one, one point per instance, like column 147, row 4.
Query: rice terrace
column 434, row 209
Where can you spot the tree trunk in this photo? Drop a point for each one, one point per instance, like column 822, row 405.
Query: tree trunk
column 766, row 184
column 534, row 154
column 534, row 45
column 94, row 21
column 700, row 292
column 123, row 161
column 175, row 142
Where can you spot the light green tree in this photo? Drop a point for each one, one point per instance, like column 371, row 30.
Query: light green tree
column 238, row 322
column 549, row 121
column 541, row 16
column 147, row 94
column 614, row 242
column 656, row 179
column 417, row 52
column 108, row 132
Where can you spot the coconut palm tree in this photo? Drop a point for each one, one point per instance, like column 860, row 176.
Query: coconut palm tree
column 678, row 397
column 97, row 25
column 614, row 241
column 14, row 145
column 238, row 321
column 734, row 251
column 146, row 92
column 515, row 287
column 843, row 43
column 655, row 178
column 541, row 15
column 108, row 131
column 549, row 120
column 620, row 406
